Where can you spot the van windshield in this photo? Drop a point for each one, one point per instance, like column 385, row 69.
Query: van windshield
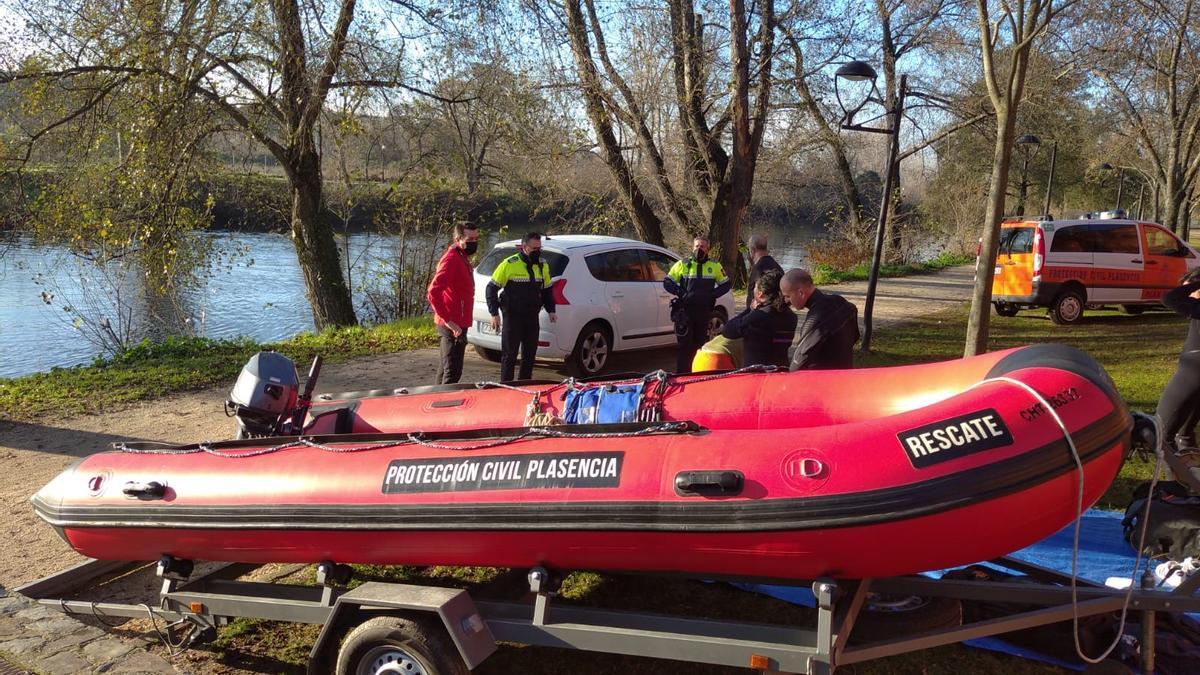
column 1016, row 240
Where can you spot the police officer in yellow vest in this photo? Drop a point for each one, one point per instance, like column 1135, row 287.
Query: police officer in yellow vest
column 696, row 283
column 520, row 287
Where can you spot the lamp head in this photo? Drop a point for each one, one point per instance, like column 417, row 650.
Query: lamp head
column 856, row 71
column 1028, row 139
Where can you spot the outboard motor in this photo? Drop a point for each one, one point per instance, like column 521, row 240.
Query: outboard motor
column 265, row 395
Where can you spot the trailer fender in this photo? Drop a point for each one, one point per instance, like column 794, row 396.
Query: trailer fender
column 453, row 607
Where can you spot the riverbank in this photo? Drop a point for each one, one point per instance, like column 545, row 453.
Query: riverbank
column 154, row 370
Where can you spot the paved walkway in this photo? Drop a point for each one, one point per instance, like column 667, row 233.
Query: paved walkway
column 39, row 639
column 43, row 640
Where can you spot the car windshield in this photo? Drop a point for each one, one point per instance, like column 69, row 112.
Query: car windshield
column 557, row 261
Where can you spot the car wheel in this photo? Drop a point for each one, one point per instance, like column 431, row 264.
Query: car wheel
column 1006, row 308
column 492, row 355
column 716, row 322
column 1067, row 308
column 1134, row 309
column 592, row 349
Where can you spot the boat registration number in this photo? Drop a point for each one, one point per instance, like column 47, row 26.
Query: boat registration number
column 485, row 327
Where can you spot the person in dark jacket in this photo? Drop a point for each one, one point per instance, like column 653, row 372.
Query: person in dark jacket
column 1180, row 400
column 451, row 294
column 520, row 287
column 760, row 262
column 830, row 326
column 767, row 328
column 696, row 283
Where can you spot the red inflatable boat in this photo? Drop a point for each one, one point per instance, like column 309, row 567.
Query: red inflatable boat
column 849, row 474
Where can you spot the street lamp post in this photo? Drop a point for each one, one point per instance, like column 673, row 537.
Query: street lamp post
column 1050, row 180
column 858, row 71
column 1120, row 179
column 1027, row 145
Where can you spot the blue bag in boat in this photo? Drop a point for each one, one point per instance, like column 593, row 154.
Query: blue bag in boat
column 607, row 404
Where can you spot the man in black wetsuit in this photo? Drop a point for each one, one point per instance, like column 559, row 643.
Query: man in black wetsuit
column 830, row 327
column 1180, row 400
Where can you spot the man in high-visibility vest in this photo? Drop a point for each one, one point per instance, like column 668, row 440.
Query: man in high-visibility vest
column 696, row 283
column 520, row 287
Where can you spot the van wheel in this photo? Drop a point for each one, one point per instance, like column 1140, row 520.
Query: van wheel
column 391, row 644
column 592, row 349
column 492, row 355
column 1134, row 309
column 1006, row 308
column 1067, row 308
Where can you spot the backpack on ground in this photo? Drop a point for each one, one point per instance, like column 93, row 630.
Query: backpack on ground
column 1173, row 525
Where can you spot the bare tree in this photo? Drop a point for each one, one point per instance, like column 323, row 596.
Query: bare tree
column 266, row 66
column 720, row 180
column 1147, row 54
column 1007, row 31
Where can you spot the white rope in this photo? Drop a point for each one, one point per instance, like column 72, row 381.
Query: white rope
column 1079, row 517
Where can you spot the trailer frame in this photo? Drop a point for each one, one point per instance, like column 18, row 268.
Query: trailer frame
column 207, row 601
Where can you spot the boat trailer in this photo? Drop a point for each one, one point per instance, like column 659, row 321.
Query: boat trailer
column 444, row 631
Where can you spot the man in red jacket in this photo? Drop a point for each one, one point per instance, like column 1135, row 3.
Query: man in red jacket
column 451, row 295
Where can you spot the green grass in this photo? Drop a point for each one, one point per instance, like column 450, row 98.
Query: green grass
column 150, row 370
column 824, row 275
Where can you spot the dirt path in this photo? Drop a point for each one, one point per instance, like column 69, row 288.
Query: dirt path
column 33, row 453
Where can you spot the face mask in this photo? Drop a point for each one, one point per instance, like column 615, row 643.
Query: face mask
column 700, row 255
column 470, row 247
column 534, row 255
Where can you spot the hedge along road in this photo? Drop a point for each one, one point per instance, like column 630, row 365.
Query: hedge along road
column 33, row 453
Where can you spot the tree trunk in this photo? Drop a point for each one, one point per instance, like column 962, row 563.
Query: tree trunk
column 316, row 249
column 647, row 224
column 981, row 296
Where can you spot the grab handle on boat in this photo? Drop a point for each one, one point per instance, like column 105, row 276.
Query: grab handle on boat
column 151, row 490
column 708, row 483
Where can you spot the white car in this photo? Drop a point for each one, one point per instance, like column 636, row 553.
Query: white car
column 609, row 296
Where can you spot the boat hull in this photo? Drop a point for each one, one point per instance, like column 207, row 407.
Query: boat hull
column 867, row 497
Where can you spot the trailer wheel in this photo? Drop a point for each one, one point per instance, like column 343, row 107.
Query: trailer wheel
column 883, row 617
column 391, row 645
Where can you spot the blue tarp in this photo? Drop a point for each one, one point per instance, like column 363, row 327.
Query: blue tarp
column 1103, row 553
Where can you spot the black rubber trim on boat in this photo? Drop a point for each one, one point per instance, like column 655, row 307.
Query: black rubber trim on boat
column 1037, row 466
column 1062, row 357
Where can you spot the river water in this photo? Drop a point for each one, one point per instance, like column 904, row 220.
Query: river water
column 252, row 288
